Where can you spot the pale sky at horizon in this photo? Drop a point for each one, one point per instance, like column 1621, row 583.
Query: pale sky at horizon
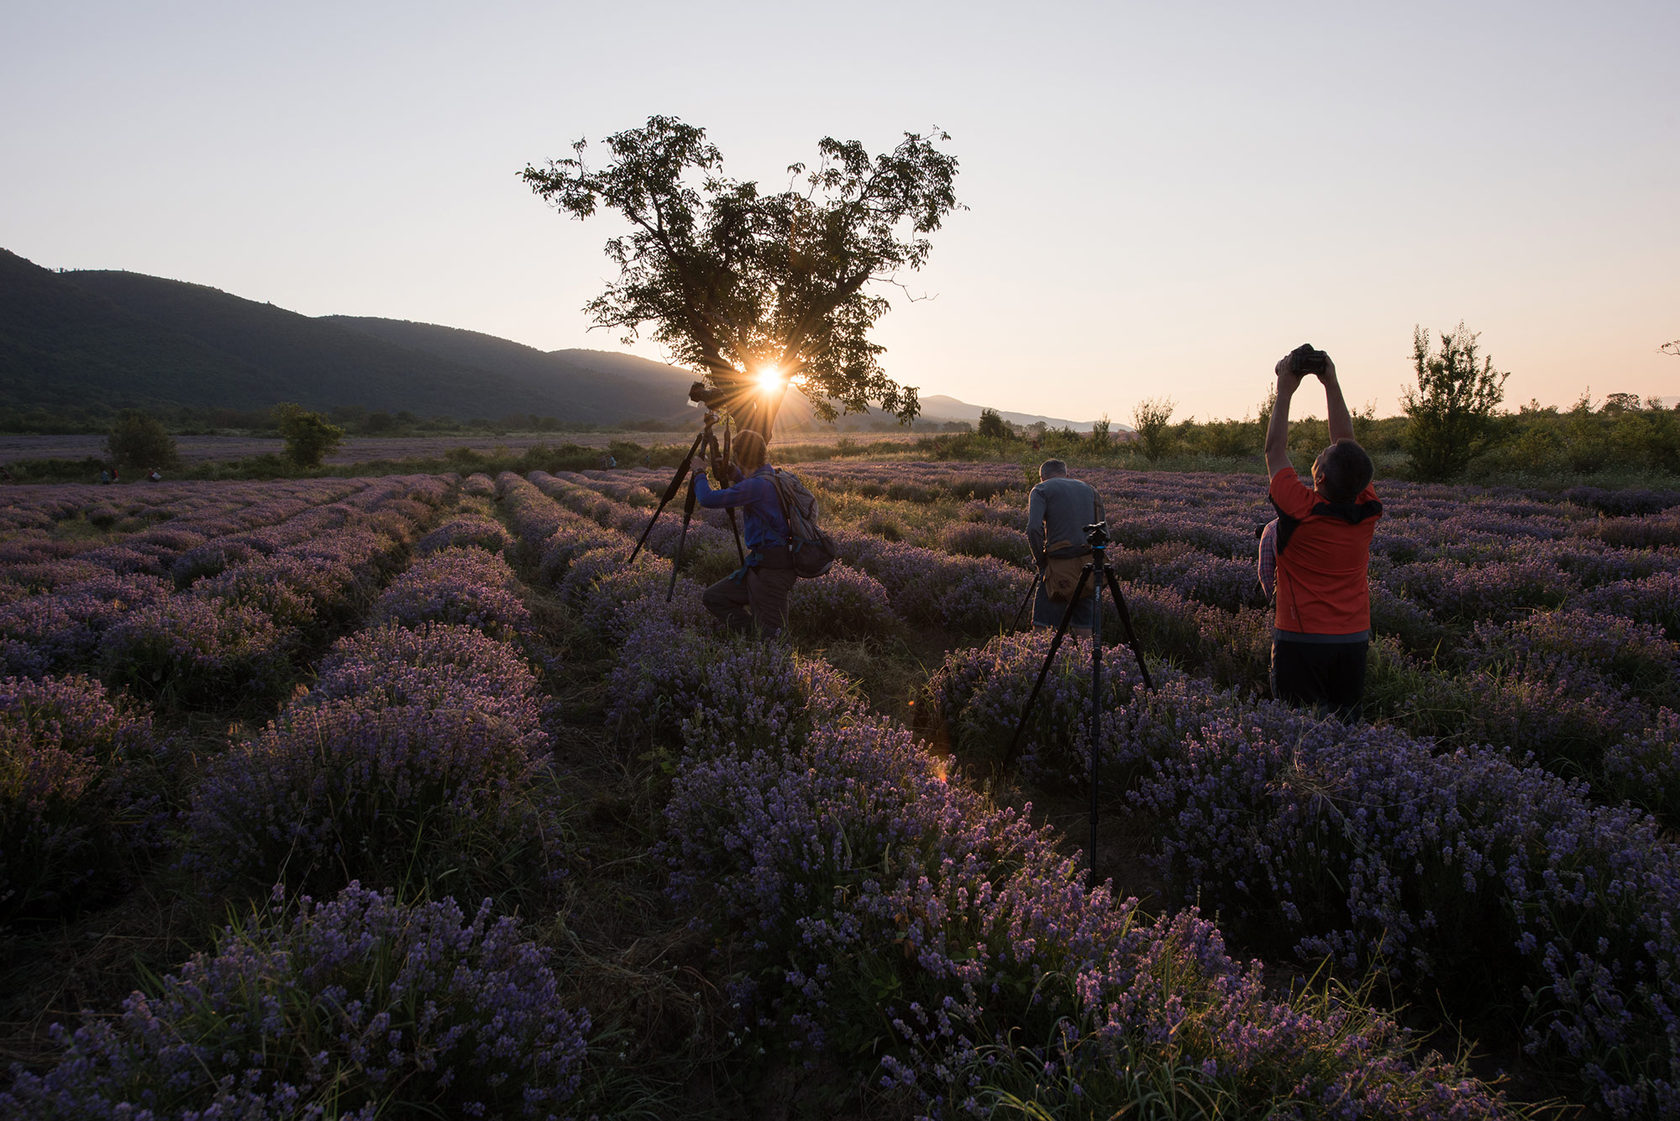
column 1162, row 198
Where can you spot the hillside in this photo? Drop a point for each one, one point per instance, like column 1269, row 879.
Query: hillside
column 88, row 343
column 94, row 341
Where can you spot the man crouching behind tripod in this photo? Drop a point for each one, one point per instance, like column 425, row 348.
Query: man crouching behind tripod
column 757, row 592
column 1322, row 628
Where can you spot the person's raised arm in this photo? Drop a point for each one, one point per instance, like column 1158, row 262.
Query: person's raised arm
column 1341, row 421
column 1277, row 429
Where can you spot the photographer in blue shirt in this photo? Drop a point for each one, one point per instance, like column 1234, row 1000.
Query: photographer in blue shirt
column 754, row 595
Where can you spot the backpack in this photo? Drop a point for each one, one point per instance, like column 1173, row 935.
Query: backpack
column 813, row 550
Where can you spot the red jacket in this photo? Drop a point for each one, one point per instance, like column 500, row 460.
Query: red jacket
column 1323, row 553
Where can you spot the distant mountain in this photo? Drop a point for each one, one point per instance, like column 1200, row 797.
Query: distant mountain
column 86, row 342
column 80, row 340
column 949, row 408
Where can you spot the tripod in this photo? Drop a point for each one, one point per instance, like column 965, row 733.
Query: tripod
column 1096, row 573
column 719, row 457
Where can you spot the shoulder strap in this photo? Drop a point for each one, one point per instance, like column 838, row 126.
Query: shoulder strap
column 781, row 501
column 1350, row 512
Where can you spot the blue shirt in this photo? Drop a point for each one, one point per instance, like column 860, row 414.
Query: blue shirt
column 763, row 525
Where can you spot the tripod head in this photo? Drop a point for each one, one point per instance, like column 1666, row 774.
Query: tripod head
column 1096, row 535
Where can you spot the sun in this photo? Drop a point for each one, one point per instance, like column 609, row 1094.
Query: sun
column 770, row 378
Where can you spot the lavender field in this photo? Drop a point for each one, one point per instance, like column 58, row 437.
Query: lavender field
column 415, row 796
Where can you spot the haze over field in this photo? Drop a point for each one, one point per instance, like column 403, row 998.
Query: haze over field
column 1162, row 198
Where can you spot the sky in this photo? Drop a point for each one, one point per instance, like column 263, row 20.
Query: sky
column 1161, row 198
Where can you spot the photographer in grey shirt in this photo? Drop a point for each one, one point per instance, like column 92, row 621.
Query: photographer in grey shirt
column 1058, row 510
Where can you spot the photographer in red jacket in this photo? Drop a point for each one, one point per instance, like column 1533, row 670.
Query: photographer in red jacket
column 1322, row 628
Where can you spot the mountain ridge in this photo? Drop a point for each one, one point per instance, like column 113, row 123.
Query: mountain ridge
column 97, row 341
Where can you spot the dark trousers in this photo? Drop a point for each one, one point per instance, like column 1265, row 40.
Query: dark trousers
column 1327, row 675
column 749, row 597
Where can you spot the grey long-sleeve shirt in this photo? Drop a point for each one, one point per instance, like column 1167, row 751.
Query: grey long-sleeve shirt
column 1058, row 510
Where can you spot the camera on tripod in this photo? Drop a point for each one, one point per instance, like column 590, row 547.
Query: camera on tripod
column 712, row 398
column 1305, row 359
column 1096, row 535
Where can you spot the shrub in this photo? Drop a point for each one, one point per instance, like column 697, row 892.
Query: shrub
column 191, row 651
column 447, row 794
column 359, row 1007
column 81, row 777
column 844, row 603
column 474, row 530
column 460, row 585
column 1496, row 889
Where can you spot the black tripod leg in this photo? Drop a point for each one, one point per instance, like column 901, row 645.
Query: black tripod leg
column 1037, row 576
column 736, row 526
column 1126, row 622
column 1096, row 716
column 676, row 561
column 670, row 492
column 1055, row 643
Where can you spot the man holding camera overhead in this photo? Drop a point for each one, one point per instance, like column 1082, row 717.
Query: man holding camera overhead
column 1322, row 626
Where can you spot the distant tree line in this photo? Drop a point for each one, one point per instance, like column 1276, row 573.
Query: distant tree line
column 1451, row 427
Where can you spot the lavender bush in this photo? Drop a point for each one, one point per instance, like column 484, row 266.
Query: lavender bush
column 359, row 1007
column 193, row 652
column 844, row 603
column 82, row 779
column 1471, row 879
column 889, row 917
column 448, row 793
column 461, row 585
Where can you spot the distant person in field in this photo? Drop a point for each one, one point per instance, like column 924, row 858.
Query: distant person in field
column 754, row 596
column 1058, row 510
column 1321, row 628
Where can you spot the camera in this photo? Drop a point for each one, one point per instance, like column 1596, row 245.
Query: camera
column 700, row 395
column 1304, row 360
column 1097, row 535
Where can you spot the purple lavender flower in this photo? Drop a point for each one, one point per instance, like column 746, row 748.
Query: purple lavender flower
column 357, row 1007
column 81, row 776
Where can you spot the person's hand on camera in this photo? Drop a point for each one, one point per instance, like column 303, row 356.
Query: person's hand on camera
column 1328, row 374
column 1287, row 378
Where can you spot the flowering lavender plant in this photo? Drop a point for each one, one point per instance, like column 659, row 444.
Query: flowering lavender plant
column 191, row 651
column 81, row 779
column 447, row 793
column 457, row 585
column 359, row 1007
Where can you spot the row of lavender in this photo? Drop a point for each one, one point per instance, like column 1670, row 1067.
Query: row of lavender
column 881, row 916
column 90, row 784
column 216, row 605
column 413, row 770
column 1495, row 890
column 1466, row 875
column 1542, row 626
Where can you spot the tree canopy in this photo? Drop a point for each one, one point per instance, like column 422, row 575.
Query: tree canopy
column 139, row 440
column 308, row 435
column 735, row 281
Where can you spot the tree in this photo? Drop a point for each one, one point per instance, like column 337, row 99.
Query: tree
column 735, row 282
column 1151, row 419
column 1100, row 434
column 139, row 440
column 992, row 425
column 1450, row 413
column 309, row 438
